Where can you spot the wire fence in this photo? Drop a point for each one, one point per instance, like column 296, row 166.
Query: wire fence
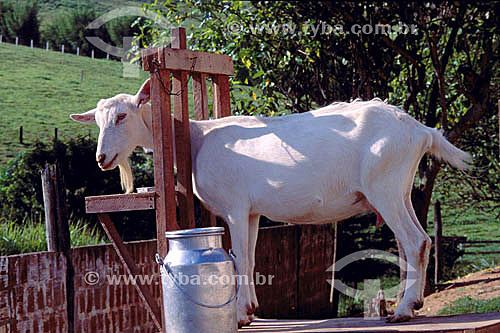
column 47, row 47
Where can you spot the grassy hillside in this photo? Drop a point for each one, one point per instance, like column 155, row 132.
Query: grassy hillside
column 48, row 6
column 40, row 89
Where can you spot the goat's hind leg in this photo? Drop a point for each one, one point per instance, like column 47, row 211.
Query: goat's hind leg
column 238, row 227
column 415, row 244
column 402, row 271
column 414, row 218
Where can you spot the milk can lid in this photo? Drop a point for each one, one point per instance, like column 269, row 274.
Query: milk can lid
column 196, row 232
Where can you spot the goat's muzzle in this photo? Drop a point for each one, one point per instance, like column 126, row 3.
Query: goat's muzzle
column 100, row 158
column 107, row 165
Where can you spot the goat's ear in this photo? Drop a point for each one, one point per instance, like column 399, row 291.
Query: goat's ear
column 144, row 94
column 86, row 117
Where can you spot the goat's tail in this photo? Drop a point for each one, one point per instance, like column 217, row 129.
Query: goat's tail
column 126, row 177
column 445, row 151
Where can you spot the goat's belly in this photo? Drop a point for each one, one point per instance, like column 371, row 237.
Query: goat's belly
column 315, row 210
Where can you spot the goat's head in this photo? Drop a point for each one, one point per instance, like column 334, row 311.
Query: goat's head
column 124, row 123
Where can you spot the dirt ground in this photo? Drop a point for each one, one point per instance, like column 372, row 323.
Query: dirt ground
column 483, row 285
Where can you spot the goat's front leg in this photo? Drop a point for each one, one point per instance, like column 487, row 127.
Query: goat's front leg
column 238, row 227
column 253, row 231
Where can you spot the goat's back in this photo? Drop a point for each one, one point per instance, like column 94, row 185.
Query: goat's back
column 294, row 165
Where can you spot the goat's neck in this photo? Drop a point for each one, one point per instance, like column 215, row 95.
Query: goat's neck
column 197, row 130
column 147, row 118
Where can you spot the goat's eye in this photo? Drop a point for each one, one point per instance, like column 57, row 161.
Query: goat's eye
column 120, row 117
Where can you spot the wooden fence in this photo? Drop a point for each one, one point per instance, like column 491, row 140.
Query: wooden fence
column 34, row 288
column 88, row 289
column 467, row 244
column 48, row 48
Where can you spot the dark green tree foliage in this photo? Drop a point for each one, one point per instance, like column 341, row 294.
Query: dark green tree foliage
column 442, row 67
column 21, row 188
column 69, row 28
column 19, row 19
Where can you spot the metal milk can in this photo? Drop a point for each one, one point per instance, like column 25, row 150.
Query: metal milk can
column 199, row 283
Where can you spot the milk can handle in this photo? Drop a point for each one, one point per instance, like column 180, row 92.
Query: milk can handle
column 160, row 261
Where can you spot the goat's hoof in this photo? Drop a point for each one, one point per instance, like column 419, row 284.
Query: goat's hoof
column 418, row 305
column 246, row 320
column 253, row 309
column 242, row 323
column 398, row 319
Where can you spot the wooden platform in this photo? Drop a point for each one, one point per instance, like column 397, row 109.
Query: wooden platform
column 477, row 323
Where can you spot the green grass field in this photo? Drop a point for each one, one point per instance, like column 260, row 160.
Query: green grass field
column 40, row 89
column 30, row 237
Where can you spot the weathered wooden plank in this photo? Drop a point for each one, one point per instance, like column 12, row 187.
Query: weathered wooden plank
column 120, row 202
column 193, row 61
column 478, row 322
column 200, row 99
column 277, row 257
column 315, row 252
column 200, row 96
column 179, row 40
column 148, row 55
column 49, row 204
column 314, row 257
column 182, row 138
column 221, row 97
column 163, row 158
column 131, row 268
column 166, row 217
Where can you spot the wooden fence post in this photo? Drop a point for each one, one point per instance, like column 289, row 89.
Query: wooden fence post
column 54, row 199
column 55, row 133
column 182, row 137
column 21, row 135
column 57, row 229
column 438, row 234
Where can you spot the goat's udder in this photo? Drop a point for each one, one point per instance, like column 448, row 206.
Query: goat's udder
column 360, row 198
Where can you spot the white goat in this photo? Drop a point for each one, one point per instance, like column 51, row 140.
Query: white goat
column 317, row 167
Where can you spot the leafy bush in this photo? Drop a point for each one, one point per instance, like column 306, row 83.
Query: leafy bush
column 19, row 19
column 21, row 190
column 468, row 304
